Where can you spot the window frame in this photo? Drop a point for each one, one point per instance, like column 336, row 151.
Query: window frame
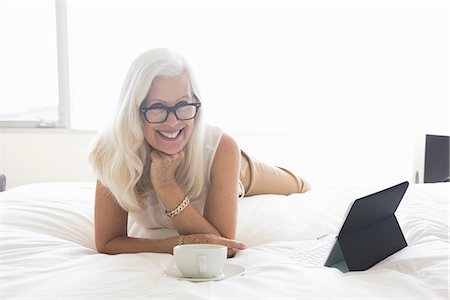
column 62, row 75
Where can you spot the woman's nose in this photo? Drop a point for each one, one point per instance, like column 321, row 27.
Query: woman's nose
column 171, row 119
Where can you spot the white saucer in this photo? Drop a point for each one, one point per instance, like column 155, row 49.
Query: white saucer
column 229, row 270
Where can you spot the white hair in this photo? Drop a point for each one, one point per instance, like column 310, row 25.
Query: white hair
column 120, row 155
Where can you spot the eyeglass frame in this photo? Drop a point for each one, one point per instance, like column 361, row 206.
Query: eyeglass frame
column 197, row 104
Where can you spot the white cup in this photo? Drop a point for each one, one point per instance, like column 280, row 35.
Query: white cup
column 200, row 260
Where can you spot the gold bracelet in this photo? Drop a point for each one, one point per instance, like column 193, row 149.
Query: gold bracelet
column 180, row 240
column 179, row 208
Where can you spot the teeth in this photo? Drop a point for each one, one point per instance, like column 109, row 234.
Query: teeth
column 170, row 135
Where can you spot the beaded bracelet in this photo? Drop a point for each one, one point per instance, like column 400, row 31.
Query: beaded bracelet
column 179, row 208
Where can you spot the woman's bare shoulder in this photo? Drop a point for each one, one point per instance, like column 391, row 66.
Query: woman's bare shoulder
column 227, row 154
column 227, row 146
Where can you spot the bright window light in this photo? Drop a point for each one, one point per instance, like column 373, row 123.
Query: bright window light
column 272, row 65
column 28, row 62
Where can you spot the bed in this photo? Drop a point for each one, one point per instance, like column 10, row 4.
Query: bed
column 48, row 250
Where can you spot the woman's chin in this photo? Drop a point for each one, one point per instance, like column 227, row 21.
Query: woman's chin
column 168, row 150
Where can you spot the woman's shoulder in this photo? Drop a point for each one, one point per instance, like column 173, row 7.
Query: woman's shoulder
column 227, row 144
column 219, row 138
column 226, row 155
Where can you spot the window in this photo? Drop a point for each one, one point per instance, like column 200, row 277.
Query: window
column 260, row 65
column 29, row 66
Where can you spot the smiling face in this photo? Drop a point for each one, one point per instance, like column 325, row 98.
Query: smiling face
column 172, row 135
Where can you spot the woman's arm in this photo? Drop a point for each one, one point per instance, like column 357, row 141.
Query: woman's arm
column 111, row 231
column 221, row 205
column 110, row 222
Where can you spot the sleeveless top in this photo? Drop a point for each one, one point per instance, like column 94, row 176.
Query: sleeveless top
column 154, row 215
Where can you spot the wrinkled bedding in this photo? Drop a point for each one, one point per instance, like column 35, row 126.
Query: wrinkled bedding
column 48, row 250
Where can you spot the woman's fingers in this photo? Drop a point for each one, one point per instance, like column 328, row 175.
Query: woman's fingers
column 232, row 245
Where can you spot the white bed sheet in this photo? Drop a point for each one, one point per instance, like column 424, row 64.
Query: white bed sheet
column 48, row 251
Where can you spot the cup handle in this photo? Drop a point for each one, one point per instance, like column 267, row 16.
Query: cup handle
column 202, row 263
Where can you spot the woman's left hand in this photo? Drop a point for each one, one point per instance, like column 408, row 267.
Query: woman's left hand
column 232, row 245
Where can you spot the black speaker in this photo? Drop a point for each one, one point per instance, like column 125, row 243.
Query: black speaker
column 437, row 156
column 2, row 182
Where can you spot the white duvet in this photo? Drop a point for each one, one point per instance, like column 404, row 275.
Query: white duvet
column 48, row 251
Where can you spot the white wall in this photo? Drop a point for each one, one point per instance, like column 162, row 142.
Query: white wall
column 325, row 158
column 40, row 155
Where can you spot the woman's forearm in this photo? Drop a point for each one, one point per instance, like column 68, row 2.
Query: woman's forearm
column 135, row 245
column 189, row 221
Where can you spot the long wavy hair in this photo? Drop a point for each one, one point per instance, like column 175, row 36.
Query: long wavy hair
column 120, row 155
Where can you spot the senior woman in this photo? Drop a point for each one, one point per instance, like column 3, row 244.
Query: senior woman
column 161, row 164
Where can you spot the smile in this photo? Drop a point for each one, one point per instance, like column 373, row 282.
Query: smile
column 170, row 135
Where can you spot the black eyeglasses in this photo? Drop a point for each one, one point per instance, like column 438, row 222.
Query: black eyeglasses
column 158, row 113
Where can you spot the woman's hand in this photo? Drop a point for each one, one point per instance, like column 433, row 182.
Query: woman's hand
column 163, row 167
column 233, row 245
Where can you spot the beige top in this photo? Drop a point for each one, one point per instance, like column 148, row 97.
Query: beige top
column 154, row 215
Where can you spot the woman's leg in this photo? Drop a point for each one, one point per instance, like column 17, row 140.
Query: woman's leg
column 259, row 178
